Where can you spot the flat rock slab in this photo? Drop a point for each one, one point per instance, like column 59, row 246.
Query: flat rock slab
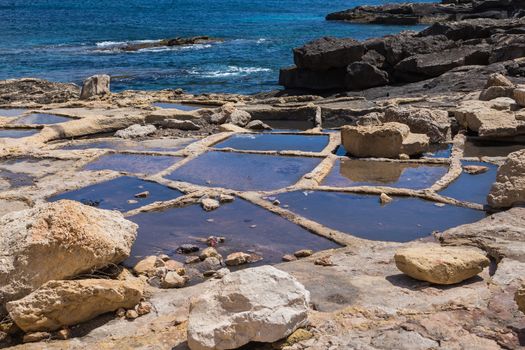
column 440, row 265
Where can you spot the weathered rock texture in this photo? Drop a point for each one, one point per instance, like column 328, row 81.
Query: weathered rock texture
column 65, row 303
column 509, row 188
column 58, row 241
column 520, row 298
column 136, row 130
column 428, row 13
column 432, row 122
column 36, row 91
column 96, row 85
column 440, row 265
column 339, row 64
column 387, row 140
column 501, row 235
column 486, row 119
column 262, row 304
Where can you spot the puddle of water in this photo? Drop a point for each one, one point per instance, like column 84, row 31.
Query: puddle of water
column 179, row 106
column 115, row 194
column 478, row 148
column 472, row 188
column 275, row 142
column 439, row 150
column 289, row 125
column 40, row 119
column 16, row 180
column 403, row 220
column 156, row 145
column 12, row 112
column 354, row 172
column 17, row 133
column 272, row 237
column 244, row 171
column 133, row 163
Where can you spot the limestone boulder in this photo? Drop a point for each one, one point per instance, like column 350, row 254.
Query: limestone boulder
column 519, row 297
column 501, row 235
column 432, row 122
column 509, row 188
column 482, row 118
column 239, row 118
column 440, row 265
column 65, row 303
column 493, row 92
column 95, row 85
column 136, row 130
column 262, row 304
column 387, row 140
column 519, row 96
column 58, row 240
column 498, row 79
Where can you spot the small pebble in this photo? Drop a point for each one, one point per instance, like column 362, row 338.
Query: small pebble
column 143, row 308
column 303, row 253
column 131, row 314
column 288, row 258
column 192, row 259
column 63, row 334
column 132, row 201
column 384, row 199
column 120, row 312
column 276, row 202
column 36, row 337
column 187, row 249
column 144, row 194
column 324, row 261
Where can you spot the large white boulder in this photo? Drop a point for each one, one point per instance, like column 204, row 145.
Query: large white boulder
column 95, row 85
column 509, row 188
column 262, row 304
column 58, row 241
column 65, row 303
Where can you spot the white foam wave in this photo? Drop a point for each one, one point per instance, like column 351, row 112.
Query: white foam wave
column 229, row 72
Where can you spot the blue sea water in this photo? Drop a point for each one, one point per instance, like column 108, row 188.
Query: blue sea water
column 68, row 40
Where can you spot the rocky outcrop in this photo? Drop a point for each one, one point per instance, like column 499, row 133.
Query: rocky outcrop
column 429, row 13
column 509, row 188
column 136, row 130
column 339, row 64
column 96, row 85
column 440, row 265
column 520, row 298
column 229, row 114
column 57, row 304
column 501, row 235
column 141, row 45
column 262, row 304
column 58, row 241
column 486, row 118
column 31, row 90
column 432, row 122
column 388, row 140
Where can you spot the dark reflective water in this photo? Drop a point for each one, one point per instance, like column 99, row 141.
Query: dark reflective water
column 244, row 171
column 355, row 172
column 477, row 148
column 402, row 220
column 275, row 142
column 17, row 133
column 16, row 180
column 40, row 119
column 272, row 236
column 472, row 188
column 179, row 106
column 115, row 194
column 133, row 163
column 117, row 144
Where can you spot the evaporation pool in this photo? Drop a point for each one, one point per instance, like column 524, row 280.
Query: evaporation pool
column 179, row 106
column 115, row 194
column 12, row 112
column 355, row 172
column 245, row 226
column 402, row 220
column 133, row 163
column 40, row 119
column 275, row 142
column 244, row 171
column 472, row 188
column 17, row 133
column 117, row 144
column 486, row 148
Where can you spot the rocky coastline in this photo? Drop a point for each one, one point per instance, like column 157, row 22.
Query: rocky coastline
column 435, row 118
column 430, row 13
